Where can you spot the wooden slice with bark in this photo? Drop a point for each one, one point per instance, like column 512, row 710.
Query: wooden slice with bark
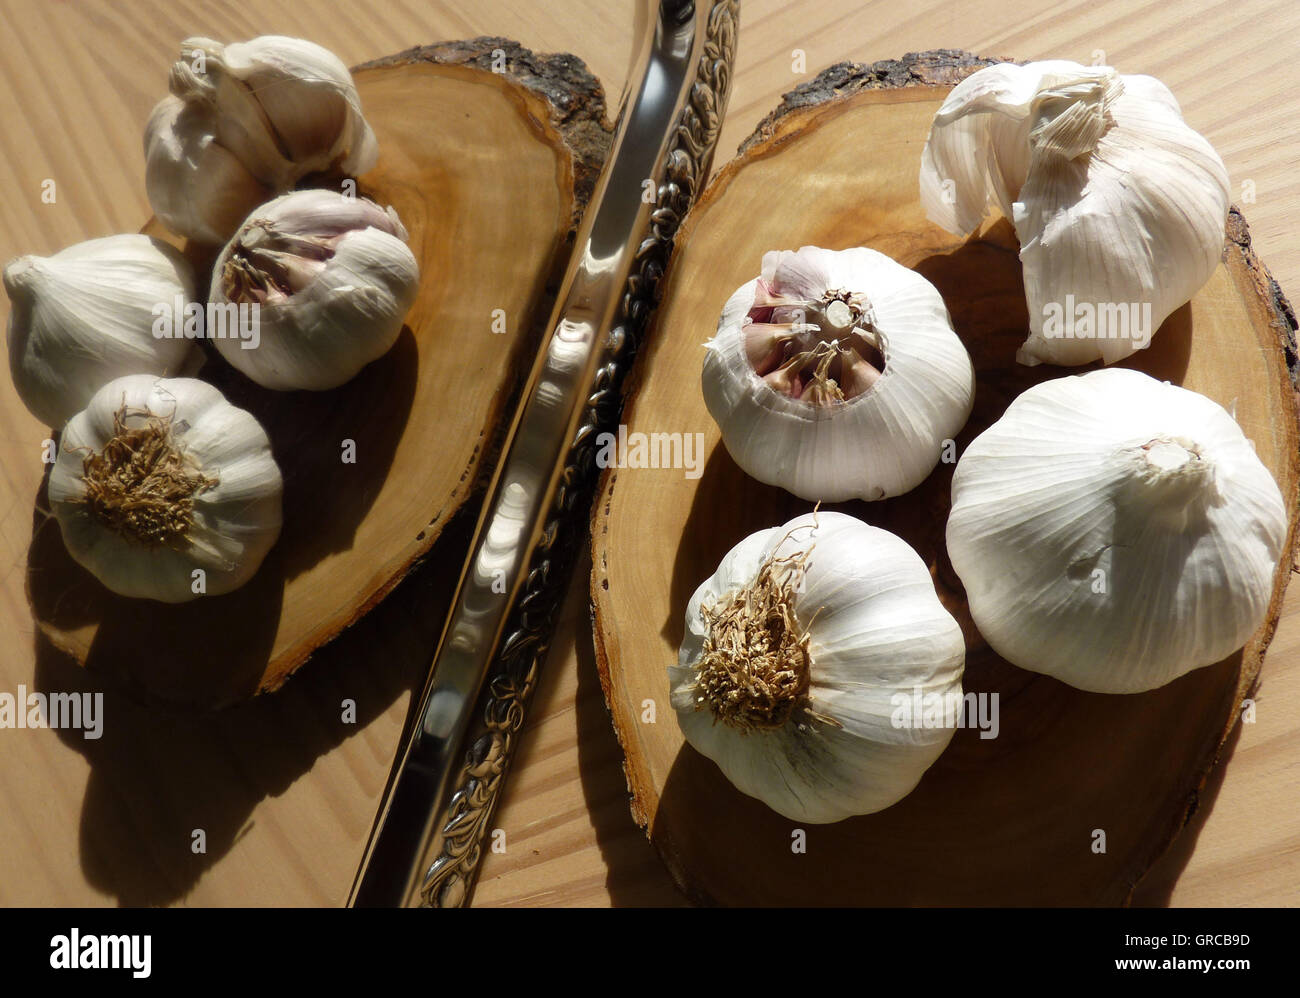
column 488, row 152
column 1078, row 793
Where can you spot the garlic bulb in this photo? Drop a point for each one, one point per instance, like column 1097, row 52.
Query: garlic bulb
column 1115, row 532
column 330, row 279
column 245, row 122
column 837, row 375
column 1120, row 206
column 165, row 490
column 798, row 652
column 87, row 315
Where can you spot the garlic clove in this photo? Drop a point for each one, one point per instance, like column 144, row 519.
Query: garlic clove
column 197, row 187
column 865, row 609
column 165, row 491
column 323, row 214
column 235, row 115
column 1115, row 532
column 977, row 153
column 317, row 117
column 1119, row 206
column 786, row 380
column 86, row 315
column 800, row 275
column 765, row 345
column 254, row 116
column 331, row 279
column 859, row 375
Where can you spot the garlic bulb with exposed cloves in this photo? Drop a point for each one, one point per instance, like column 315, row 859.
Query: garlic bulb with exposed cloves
column 1115, row 532
column 91, row 313
column 244, row 123
column 328, row 280
column 799, row 655
column 837, row 375
column 1119, row 205
column 164, row 490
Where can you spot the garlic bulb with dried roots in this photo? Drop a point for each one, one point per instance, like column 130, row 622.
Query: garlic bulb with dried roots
column 1119, row 205
column 164, row 490
column 245, row 122
column 797, row 654
column 329, row 280
column 1115, row 532
column 837, row 375
column 89, row 314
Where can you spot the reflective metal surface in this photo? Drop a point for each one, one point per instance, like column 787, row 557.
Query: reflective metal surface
column 425, row 845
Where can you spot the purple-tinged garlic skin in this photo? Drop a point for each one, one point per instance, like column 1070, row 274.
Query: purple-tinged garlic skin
column 329, row 280
column 836, row 375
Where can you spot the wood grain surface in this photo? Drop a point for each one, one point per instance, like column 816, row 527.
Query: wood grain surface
column 994, row 821
column 489, row 229
column 284, row 788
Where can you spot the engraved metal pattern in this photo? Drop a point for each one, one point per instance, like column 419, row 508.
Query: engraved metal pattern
column 451, row 876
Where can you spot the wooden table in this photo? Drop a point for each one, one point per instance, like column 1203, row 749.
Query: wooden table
column 283, row 788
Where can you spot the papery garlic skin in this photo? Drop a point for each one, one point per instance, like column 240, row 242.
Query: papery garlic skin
column 1116, row 201
column 1115, row 532
column 86, row 315
column 197, row 187
column 245, row 122
column 332, row 279
column 236, row 521
column 877, row 634
column 882, row 441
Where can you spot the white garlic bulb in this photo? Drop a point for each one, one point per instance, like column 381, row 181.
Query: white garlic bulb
column 837, row 375
column 330, row 279
column 1115, row 532
column 1119, row 205
column 245, row 122
column 797, row 655
column 88, row 314
column 164, row 490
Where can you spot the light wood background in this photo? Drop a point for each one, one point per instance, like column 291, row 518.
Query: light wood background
column 282, row 789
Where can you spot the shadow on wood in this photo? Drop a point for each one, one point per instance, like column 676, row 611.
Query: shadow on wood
column 489, row 171
column 214, row 651
column 1018, row 819
column 1079, row 793
column 157, row 774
